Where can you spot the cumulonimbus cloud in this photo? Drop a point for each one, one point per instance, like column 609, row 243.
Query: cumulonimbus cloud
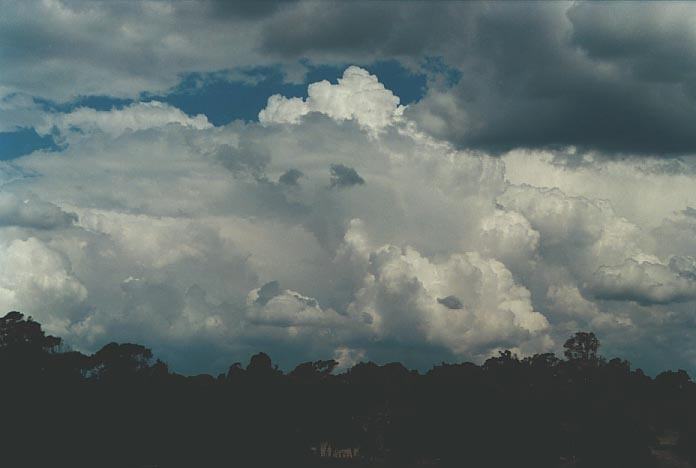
column 229, row 239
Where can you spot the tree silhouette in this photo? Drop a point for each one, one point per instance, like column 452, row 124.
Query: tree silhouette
column 120, row 407
column 121, row 361
column 312, row 372
column 582, row 347
column 17, row 332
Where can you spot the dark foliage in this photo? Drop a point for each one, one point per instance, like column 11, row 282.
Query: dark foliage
column 122, row 408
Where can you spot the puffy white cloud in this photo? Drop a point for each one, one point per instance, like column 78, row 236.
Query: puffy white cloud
column 358, row 95
column 579, row 233
column 647, row 282
column 643, row 190
column 567, row 303
column 290, row 309
column 405, row 296
column 507, row 235
column 560, row 218
column 39, row 280
column 137, row 116
column 680, row 229
column 190, row 236
column 153, row 241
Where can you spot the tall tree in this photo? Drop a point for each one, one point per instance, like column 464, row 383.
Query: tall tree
column 15, row 332
column 582, row 346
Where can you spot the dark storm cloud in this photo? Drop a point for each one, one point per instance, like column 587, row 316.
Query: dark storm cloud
column 545, row 78
column 344, row 176
column 370, row 29
column 359, row 26
column 246, row 9
column 618, row 78
column 655, row 44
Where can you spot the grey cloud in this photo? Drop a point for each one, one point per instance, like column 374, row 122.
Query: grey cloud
column 63, row 50
column 647, row 283
column 533, row 75
column 684, row 266
column 652, row 41
column 342, row 27
column 244, row 160
column 246, row 9
column 527, row 82
column 344, row 176
column 267, row 292
column 370, row 30
column 31, row 212
column 451, row 302
column 290, row 177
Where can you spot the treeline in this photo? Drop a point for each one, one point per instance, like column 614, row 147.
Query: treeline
column 122, row 408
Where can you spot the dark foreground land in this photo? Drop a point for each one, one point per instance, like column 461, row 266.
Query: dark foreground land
column 121, row 408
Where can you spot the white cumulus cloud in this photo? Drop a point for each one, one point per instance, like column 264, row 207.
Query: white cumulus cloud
column 115, row 122
column 331, row 228
column 358, row 95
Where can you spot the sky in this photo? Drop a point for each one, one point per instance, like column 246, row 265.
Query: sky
column 385, row 181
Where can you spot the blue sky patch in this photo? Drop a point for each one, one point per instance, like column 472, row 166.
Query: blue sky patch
column 223, row 97
column 23, row 141
column 223, row 100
